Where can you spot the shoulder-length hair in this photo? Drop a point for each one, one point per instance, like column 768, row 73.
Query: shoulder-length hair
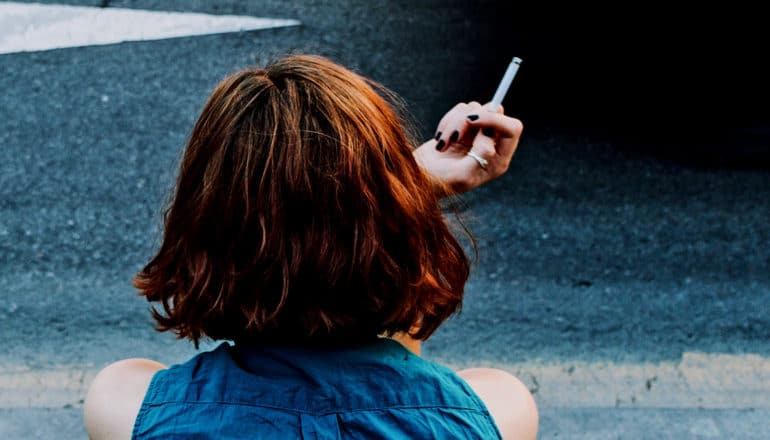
column 300, row 216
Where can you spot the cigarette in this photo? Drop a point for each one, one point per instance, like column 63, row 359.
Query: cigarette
column 505, row 83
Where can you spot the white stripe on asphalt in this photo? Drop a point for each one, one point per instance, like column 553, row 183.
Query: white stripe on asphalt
column 698, row 380
column 28, row 27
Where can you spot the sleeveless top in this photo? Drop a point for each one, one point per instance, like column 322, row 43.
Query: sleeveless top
column 375, row 390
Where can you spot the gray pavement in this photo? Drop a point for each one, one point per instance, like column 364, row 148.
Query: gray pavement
column 587, row 252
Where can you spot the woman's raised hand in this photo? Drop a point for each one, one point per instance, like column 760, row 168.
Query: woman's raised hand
column 473, row 145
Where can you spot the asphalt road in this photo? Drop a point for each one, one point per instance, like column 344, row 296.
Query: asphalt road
column 586, row 251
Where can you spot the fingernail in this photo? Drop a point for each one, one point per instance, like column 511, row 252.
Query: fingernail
column 440, row 145
column 488, row 131
column 455, row 135
column 473, row 117
column 438, row 135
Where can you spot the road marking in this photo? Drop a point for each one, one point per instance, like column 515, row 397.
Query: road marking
column 698, row 380
column 56, row 388
column 26, row 27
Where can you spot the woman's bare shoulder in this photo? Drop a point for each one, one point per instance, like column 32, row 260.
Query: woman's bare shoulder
column 508, row 400
column 115, row 396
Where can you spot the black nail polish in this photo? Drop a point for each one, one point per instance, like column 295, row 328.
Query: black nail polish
column 473, row 117
column 438, row 135
column 454, row 137
column 440, row 145
column 488, row 131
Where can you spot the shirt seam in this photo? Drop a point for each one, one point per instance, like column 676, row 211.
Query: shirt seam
column 318, row 413
column 147, row 402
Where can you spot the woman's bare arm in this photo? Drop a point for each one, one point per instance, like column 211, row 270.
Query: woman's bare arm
column 115, row 396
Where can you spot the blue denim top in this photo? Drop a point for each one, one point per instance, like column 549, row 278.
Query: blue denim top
column 375, row 390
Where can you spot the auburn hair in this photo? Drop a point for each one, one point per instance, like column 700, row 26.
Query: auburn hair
column 300, row 216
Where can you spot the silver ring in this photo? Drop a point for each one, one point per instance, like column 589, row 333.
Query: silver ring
column 482, row 162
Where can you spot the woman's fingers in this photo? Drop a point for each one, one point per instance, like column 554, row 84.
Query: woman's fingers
column 505, row 125
column 506, row 130
column 454, row 127
column 483, row 159
column 484, row 145
column 441, row 137
column 475, row 144
column 491, row 107
column 483, row 130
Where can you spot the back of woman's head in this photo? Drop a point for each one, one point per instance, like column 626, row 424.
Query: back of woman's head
column 300, row 216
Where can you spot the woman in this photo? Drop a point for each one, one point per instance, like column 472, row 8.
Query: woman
column 305, row 229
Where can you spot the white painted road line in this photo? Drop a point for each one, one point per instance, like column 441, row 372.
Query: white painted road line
column 28, row 27
column 698, row 380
